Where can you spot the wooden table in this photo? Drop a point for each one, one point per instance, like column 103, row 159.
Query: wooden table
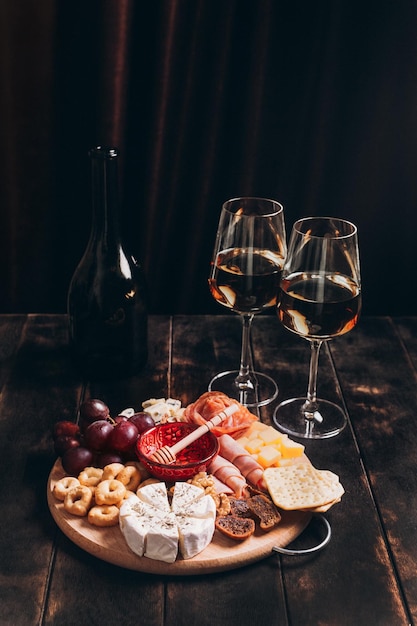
column 367, row 575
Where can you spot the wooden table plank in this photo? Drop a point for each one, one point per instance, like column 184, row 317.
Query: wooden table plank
column 406, row 328
column 250, row 595
column 85, row 590
column 380, row 389
column 36, row 389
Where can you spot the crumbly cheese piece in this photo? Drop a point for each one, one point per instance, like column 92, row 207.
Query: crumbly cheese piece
column 154, row 529
column 161, row 409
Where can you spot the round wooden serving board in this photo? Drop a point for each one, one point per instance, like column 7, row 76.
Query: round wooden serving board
column 222, row 554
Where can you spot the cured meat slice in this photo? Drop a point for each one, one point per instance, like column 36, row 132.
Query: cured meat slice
column 212, row 402
column 221, row 487
column 227, row 473
column 248, row 466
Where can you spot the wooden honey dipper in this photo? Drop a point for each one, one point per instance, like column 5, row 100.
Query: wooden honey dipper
column 167, row 454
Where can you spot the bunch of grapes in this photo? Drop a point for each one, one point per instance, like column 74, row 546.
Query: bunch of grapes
column 98, row 439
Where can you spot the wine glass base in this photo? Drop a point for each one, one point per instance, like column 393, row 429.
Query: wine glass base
column 328, row 421
column 263, row 390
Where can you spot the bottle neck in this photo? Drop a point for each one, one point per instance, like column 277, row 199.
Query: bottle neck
column 104, row 178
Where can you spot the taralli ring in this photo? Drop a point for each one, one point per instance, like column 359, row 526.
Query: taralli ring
column 104, row 515
column 63, row 486
column 90, row 476
column 109, row 492
column 110, row 471
column 130, row 476
column 78, row 500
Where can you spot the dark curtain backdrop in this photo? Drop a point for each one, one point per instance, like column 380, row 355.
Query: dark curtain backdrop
column 312, row 103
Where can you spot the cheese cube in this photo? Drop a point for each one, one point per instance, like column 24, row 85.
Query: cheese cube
column 269, row 456
column 254, row 445
column 270, row 435
column 243, row 441
column 291, row 449
column 255, row 429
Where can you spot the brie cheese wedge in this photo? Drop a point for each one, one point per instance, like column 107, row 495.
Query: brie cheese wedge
column 138, row 520
column 156, row 495
column 154, row 529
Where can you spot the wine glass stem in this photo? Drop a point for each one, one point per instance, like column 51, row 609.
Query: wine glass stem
column 310, row 406
column 244, row 380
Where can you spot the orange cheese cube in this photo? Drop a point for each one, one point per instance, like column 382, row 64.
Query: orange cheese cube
column 268, row 456
column 291, row 449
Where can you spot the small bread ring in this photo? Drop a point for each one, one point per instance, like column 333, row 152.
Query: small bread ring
column 109, row 492
column 90, row 476
column 64, row 485
column 104, row 515
column 78, row 500
column 110, row 471
column 130, row 476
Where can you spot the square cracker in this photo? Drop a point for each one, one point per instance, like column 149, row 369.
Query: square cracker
column 302, row 486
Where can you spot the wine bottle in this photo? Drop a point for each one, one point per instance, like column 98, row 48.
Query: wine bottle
column 107, row 297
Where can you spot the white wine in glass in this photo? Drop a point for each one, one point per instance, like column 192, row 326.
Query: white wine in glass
column 245, row 273
column 320, row 298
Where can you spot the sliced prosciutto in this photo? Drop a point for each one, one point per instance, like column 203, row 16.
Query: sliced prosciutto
column 227, row 473
column 213, row 402
column 238, row 456
column 221, row 487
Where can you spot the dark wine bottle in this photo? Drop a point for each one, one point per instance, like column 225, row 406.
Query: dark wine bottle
column 107, row 297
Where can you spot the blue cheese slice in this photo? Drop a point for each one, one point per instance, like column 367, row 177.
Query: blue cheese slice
column 161, row 409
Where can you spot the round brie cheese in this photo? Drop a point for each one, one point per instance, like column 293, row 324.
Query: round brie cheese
column 154, row 529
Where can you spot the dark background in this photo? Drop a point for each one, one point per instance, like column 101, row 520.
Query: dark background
column 312, row 103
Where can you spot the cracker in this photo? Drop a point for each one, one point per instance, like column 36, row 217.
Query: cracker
column 302, row 486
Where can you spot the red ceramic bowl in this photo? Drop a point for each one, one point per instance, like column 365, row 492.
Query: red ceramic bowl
column 193, row 459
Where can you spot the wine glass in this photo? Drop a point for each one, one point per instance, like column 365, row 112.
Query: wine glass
column 320, row 298
column 246, row 267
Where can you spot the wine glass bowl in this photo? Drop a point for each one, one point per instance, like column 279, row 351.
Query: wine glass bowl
column 245, row 273
column 320, row 299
